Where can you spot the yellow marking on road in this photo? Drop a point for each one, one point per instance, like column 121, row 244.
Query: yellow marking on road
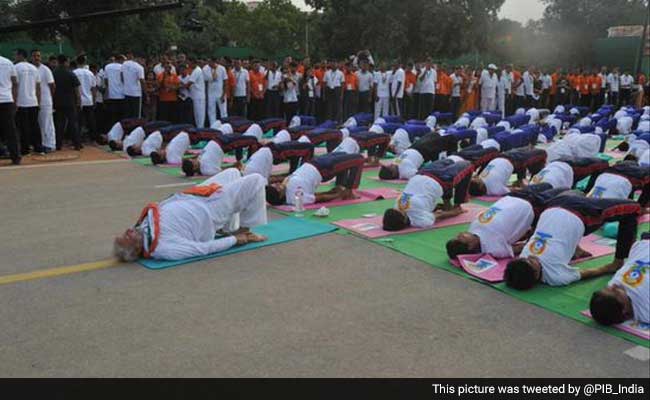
column 53, row 272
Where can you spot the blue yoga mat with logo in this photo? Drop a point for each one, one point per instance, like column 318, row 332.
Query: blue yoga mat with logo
column 278, row 231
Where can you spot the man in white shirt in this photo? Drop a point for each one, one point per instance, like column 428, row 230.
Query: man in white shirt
column 334, row 81
column 620, row 180
column 29, row 93
column 366, row 81
column 428, row 78
column 46, row 106
column 114, row 83
column 185, row 224
column 382, row 91
column 614, row 85
column 488, row 84
column 196, row 86
column 398, row 78
column 493, row 180
column 498, row 230
column 290, row 85
column 456, row 86
column 217, row 78
column 555, row 242
column 428, row 148
column 304, row 182
column 133, row 75
column 242, row 90
column 8, row 92
column 272, row 96
column 626, row 89
column 87, row 92
column 529, row 86
column 627, row 295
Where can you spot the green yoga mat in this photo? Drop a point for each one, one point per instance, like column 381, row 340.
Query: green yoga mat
column 569, row 301
column 278, row 231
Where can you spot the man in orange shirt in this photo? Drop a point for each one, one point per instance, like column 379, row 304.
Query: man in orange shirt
column 443, row 90
column 168, row 84
column 258, row 90
column 410, row 80
column 583, row 83
column 351, row 91
column 319, row 74
column 554, row 79
column 595, row 84
column 518, row 89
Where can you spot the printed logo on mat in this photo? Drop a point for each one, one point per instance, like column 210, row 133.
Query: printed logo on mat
column 480, row 265
column 539, row 243
column 635, row 275
column 488, row 215
column 404, row 202
column 597, row 192
column 539, row 178
column 487, row 170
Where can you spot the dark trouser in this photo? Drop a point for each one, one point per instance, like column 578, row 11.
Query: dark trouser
column 346, row 168
column 454, row 177
column 432, row 144
column 350, row 100
column 100, row 118
column 115, row 110
column 613, row 98
column 239, row 106
column 537, row 196
column 509, row 104
column 364, row 102
column 290, row 109
column 295, row 152
column 426, row 105
column 310, row 106
column 415, row 106
column 65, row 120
column 532, row 161
column 331, row 137
column 454, row 105
column 544, row 100
column 87, row 120
column 375, row 143
column 30, row 132
column 626, row 97
column 275, row 124
column 478, row 156
column 133, row 106
column 594, row 213
column 167, row 111
column 186, row 111
column 585, row 100
column 8, row 131
column 257, row 109
column 396, row 106
column 442, row 102
column 237, row 143
column 531, row 102
column 520, row 101
column 273, row 102
column 584, row 167
column 333, row 101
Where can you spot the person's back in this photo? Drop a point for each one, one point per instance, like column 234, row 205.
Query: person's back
column 132, row 73
column 113, row 73
column 87, row 82
column 66, row 83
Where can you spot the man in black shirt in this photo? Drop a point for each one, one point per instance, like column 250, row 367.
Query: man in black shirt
column 66, row 103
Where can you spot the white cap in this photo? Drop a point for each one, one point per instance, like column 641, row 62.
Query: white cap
column 492, row 66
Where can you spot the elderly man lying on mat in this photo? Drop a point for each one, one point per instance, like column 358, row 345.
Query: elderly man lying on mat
column 185, row 225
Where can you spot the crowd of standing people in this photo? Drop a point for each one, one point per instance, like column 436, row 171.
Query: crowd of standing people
column 43, row 104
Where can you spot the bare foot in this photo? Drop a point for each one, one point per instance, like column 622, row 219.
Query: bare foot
column 255, row 238
column 580, row 253
column 348, row 194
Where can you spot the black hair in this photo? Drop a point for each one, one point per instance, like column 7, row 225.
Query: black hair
column 113, row 145
column 81, row 60
column 131, row 151
column 274, row 196
column 520, row 274
column 624, row 146
column 605, row 309
column 36, row 50
column 62, row 59
column 465, row 143
column 21, row 52
column 630, row 157
column 450, row 143
column 188, row 167
column 387, row 173
column 394, row 220
column 455, row 248
column 476, row 188
column 156, row 158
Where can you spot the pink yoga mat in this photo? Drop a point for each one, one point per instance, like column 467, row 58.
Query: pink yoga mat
column 644, row 218
column 632, row 327
column 365, row 196
column 393, row 181
column 371, row 228
column 489, row 269
column 488, row 199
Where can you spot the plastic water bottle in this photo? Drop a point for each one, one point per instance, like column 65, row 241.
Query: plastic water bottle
column 299, row 202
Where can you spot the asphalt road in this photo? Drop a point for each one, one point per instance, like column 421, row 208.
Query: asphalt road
column 331, row 306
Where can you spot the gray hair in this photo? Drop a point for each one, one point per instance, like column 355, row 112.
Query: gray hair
column 126, row 252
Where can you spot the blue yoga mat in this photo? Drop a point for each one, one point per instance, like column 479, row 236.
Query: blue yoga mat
column 278, row 231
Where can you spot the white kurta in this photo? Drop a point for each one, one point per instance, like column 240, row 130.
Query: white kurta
column 152, row 143
column 261, row 162
column 210, row 159
column 135, row 138
column 176, row 148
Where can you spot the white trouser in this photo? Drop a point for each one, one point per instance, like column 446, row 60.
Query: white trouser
column 214, row 101
column 488, row 103
column 245, row 197
column 199, row 112
column 46, row 122
column 382, row 107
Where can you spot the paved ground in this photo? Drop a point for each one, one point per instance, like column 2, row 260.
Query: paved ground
column 331, row 306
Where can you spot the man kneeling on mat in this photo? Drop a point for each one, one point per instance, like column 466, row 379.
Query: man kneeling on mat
column 627, row 295
column 546, row 256
column 498, row 230
column 185, row 224
column 346, row 168
column 417, row 206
